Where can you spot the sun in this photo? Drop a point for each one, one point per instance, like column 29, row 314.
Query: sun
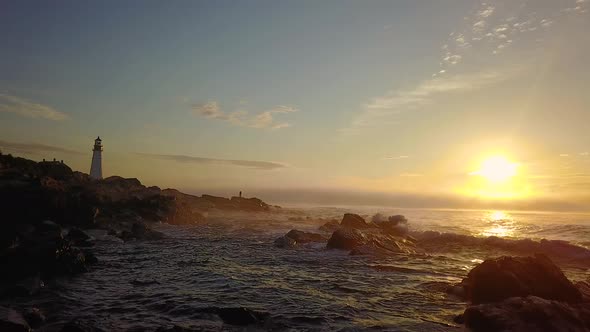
column 497, row 169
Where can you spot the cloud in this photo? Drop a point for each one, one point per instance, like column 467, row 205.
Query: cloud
column 490, row 29
column 410, row 175
column 380, row 108
column 211, row 110
column 262, row 165
column 584, row 154
column 25, row 108
column 396, row 158
column 564, row 155
column 34, row 148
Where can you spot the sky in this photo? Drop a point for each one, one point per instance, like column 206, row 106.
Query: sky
column 385, row 102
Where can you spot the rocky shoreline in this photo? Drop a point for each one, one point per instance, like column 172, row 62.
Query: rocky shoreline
column 48, row 209
column 507, row 293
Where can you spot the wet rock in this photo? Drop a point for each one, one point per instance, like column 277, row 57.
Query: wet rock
column 351, row 220
column 26, row 287
column 305, row 237
column 294, row 237
column 501, row 278
column 79, row 238
column 34, row 317
column 241, row 316
column 346, row 238
column 378, row 244
column 528, row 314
column 43, row 252
column 140, row 231
column 12, row 321
column 330, row 226
column 285, row 242
column 89, row 256
column 396, row 225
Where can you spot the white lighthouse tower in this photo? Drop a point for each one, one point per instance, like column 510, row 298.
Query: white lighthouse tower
column 96, row 167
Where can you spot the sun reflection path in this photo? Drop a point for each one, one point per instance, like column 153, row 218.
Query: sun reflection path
column 499, row 224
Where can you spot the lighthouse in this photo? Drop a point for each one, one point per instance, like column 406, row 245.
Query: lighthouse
column 96, row 167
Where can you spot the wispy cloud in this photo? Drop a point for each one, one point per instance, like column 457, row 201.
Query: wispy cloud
column 26, row 108
column 262, row 165
column 399, row 101
column 211, row 110
column 491, row 29
column 410, row 175
column 34, row 148
column 396, row 157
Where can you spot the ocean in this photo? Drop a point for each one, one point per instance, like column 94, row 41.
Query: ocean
column 231, row 262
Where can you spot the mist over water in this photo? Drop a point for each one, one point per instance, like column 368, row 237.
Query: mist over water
column 231, row 261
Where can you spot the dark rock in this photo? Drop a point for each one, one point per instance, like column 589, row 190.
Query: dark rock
column 294, row 237
column 26, row 287
column 346, row 238
column 459, row 319
column 12, row 321
column 285, row 242
column 42, row 252
column 351, row 220
column 498, row 279
column 250, row 204
column 396, row 225
column 528, row 314
column 140, row 231
column 79, row 238
column 330, row 226
column 89, row 256
column 241, row 316
column 34, row 317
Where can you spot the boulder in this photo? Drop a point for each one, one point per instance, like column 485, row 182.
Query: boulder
column 79, row 238
column 346, row 238
column 12, row 321
column 527, row 314
column 34, row 317
column 351, row 220
column 504, row 277
column 330, row 226
column 139, row 231
column 42, row 252
column 294, row 237
column 25, row 287
column 285, row 242
column 384, row 246
column 396, row 225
